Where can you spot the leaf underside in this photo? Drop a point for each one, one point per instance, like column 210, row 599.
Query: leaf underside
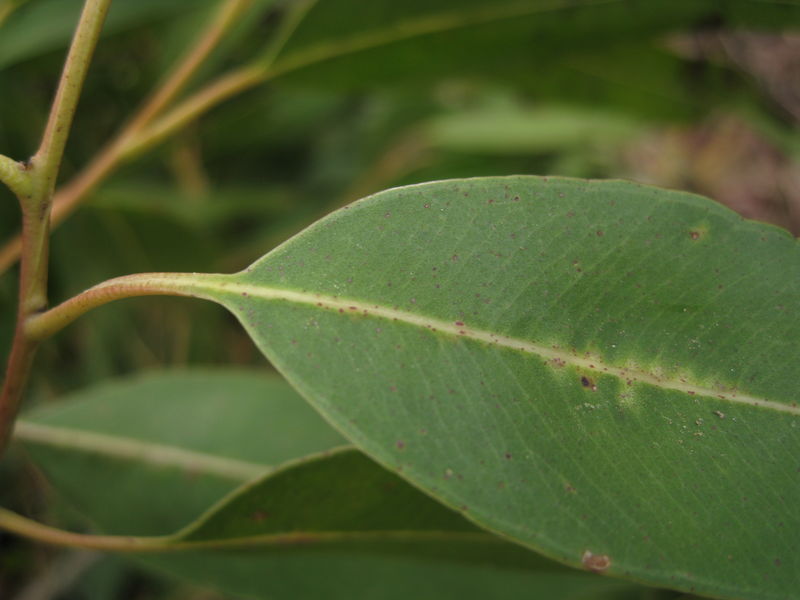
column 598, row 370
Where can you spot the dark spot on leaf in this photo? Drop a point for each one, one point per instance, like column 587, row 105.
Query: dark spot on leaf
column 588, row 383
column 400, row 444
column 695, row 235
column 508, row 455
column 259, row 516
column 777, row 562
column 599, row 233
column 459, row 323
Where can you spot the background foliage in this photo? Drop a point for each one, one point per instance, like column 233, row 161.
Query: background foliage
column 693, row 95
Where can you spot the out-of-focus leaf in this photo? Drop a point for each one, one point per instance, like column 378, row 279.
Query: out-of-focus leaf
column 44, row 25
column 335, row 526
column 192, row 436
column 391, row 41
column 543, row 129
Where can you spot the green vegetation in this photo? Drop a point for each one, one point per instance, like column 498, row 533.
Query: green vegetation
column 529, row 378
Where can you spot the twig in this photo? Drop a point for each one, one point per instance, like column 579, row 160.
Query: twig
column 117, row 151
column 42, row 171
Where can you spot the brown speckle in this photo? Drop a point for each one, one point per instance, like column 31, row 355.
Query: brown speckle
column 695, row 235
column 596, row 563
column 259, row 516
column 588, row 383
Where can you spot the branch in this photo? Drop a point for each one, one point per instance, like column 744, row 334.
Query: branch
column 69, row 197
column 15, row 176
column 144, row 130
column 47, row 160
column 36, row 202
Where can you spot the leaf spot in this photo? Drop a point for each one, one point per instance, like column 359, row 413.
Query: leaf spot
column 596, row 563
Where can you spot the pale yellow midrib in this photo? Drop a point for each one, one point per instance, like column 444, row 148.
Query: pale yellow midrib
column 159, row 455
column 213, row 285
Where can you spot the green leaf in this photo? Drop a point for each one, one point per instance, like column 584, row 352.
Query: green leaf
column 599, row 370
column 505, row 130
column 46, row 25
column 390, row 41
column 334, row 525
column 194, row 435
column 338, row 526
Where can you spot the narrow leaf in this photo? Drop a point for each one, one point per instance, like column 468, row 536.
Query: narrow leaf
column 389, row 41
column 140, row 456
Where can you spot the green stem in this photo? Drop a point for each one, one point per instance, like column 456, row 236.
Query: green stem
column 15, row 176
column 123, row 146
column 14, row 523
column 10, row 521
column 42, row 171
column 47, row 160
column 226, row 87
column 45, row 324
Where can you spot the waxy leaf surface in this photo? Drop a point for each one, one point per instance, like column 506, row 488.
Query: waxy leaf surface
column 602, row 371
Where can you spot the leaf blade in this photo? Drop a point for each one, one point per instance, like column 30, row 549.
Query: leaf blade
column 571, row 457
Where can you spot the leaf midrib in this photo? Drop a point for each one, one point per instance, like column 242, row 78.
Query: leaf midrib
column 133, row 449
column 210, row 286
